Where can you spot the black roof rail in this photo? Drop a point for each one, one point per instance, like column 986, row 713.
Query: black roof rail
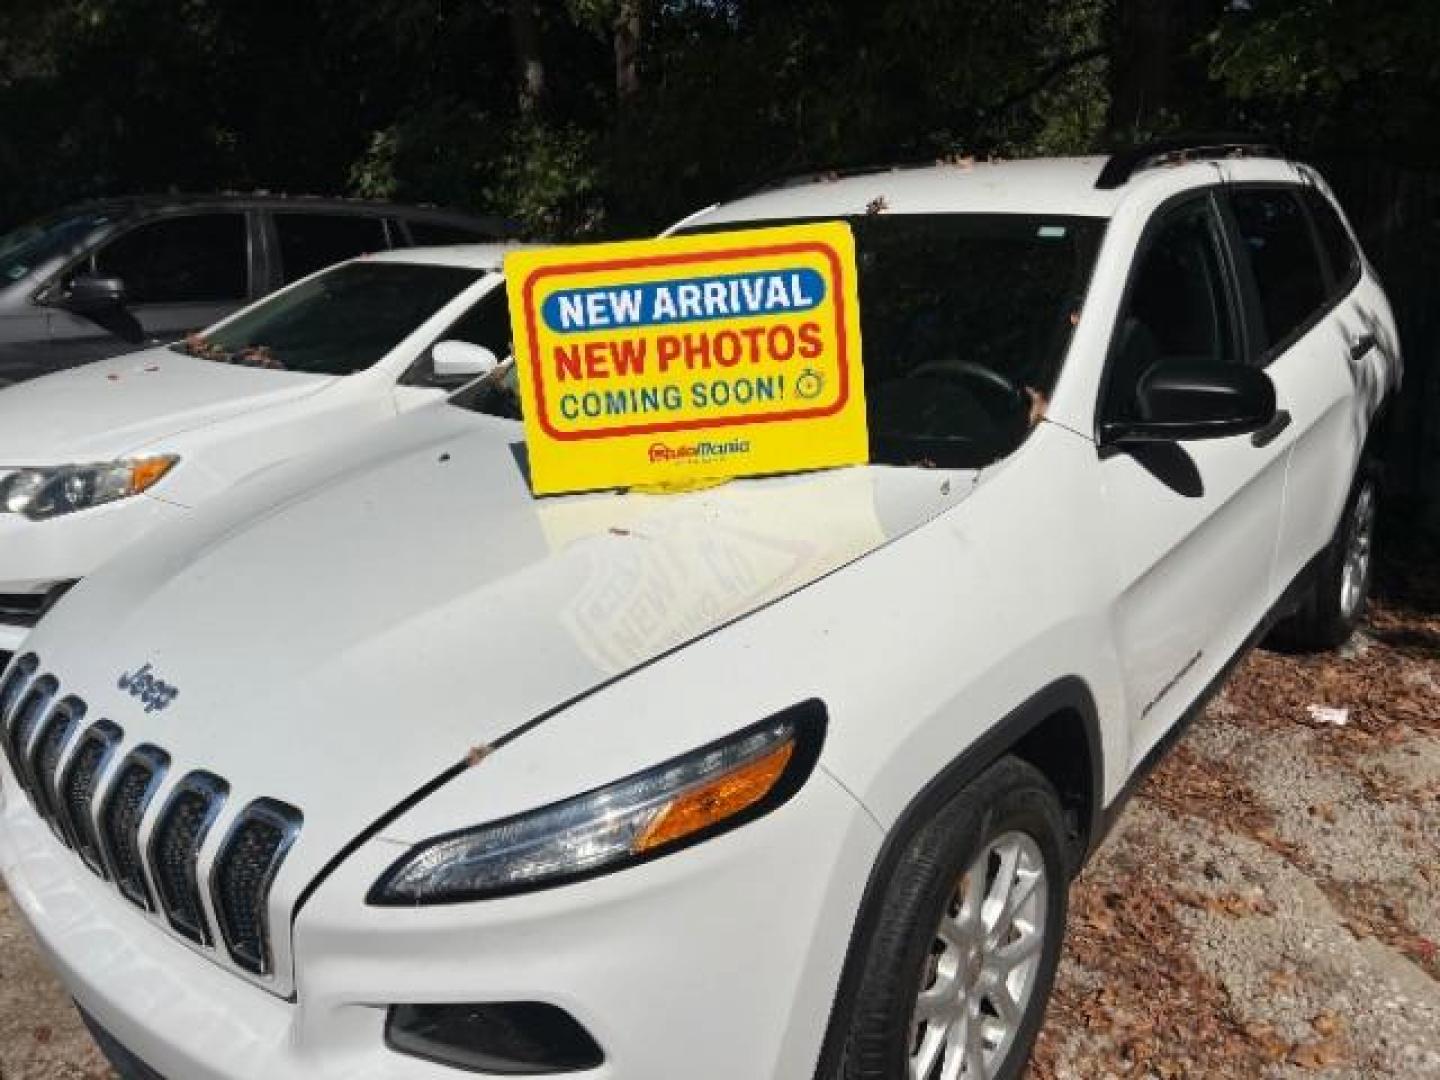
column 1173, row 151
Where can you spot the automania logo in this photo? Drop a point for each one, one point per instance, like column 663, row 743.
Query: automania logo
column 699, row 451
column 155, row 694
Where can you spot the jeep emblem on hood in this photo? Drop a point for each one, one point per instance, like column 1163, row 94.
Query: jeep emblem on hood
column 153, row 693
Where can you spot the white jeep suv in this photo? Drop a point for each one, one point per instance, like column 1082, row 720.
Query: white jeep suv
column 381, row 766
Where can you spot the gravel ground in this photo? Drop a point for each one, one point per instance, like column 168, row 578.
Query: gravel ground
column 1269, row 903
column 1267, row 906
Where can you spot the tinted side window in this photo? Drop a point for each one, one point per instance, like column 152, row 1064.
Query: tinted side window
column 424, row 233
column 1178, row 307
column 486, row 323
column 203, row 257
column 1282, row 253
column 310, row 242
column 1334, row 237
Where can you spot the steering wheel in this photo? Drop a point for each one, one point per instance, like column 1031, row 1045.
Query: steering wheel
column 969, row 371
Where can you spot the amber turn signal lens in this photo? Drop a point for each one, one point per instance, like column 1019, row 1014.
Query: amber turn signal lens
column 146, row 472
column 714, row 802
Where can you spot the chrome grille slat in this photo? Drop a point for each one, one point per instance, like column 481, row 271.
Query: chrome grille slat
column 120, row 816
column 20, row 674
column 240, row 881
column 76, row 789
column 24, row 720
column 175, row 851
column 45, row 751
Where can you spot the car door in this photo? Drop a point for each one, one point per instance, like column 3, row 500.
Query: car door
column 181, row 273
column 1192, row 524
column 1319, row 349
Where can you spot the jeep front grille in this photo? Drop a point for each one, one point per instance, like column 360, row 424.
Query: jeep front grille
column 16, row 681
column 26, row 719
column 99, row 802
column 45, row 753
column 175, row 850
column 247, row 865
column 120, row 817
column 93, row 754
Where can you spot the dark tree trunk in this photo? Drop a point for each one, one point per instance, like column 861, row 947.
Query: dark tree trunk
column 529, row 65
column 1157, row 72
column 629, row 28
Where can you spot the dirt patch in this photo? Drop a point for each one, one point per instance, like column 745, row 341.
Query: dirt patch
column 41, row 1037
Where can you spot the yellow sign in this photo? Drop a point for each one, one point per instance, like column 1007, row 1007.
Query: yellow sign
column 672, row 362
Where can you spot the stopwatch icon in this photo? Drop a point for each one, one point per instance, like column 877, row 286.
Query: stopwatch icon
column 809, row 385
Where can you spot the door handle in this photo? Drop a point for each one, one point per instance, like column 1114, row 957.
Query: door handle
column 1271, row 431
column 1361, row 346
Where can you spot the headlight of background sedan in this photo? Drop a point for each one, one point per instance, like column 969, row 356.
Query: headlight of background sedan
column 48, row 493
column 654, row 813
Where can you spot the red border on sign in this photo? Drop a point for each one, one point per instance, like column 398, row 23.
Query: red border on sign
column 680, row 259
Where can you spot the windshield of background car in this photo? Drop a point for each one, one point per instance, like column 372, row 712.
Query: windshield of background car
column 337, row 323
column 965, row 318
column 29, row 246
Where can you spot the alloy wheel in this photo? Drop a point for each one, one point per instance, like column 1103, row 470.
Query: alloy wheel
column 1355, row 575
column 983, row 964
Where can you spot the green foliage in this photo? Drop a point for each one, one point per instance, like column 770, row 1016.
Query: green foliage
column 419, row 101
column 1333, row 73
column 548, row 179
column 445, row 151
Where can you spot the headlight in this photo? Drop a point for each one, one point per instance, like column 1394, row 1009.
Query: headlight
column 654, row 813
column 47, row 493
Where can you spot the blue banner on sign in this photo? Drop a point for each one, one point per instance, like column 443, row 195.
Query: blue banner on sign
column 729, row 296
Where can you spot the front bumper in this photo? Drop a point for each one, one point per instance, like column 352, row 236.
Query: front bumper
column 35, row 555
column 717, row 963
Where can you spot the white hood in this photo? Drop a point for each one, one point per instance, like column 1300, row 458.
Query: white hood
column 375, row 613
column 108, row 409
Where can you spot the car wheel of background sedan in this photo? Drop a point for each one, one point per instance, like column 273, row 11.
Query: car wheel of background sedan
column 960, row 965
column 1336, row 602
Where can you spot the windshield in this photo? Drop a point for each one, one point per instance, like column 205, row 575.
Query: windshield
column 29, row 246
column 338, row 323
column 965, row 320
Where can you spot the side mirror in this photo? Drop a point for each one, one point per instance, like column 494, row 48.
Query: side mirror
column 89, row 293
column 460, row 361
column 1178, row 400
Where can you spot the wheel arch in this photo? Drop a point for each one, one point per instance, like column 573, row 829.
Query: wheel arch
column 1057, row 730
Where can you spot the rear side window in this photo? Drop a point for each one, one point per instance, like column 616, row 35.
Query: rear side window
column 310, row 242
column 194, row 259
column 1282, row 253
column 425, row 233
column 1334, row 237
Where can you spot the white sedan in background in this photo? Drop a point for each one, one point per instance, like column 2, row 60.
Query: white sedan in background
column 93, row 458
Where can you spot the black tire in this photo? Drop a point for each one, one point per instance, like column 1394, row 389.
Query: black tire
column 1328, row 616
column 899, row 958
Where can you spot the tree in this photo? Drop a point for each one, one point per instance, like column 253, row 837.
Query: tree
column 1158, row 76
column 529, row 64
